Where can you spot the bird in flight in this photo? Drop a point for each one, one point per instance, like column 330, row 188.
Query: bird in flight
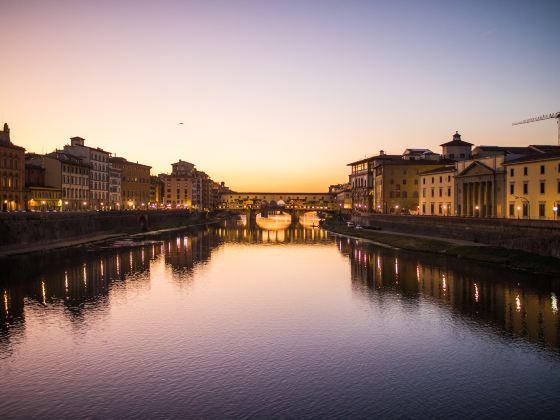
column 180, row 123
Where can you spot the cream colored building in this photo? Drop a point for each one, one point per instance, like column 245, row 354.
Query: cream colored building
column 178, row 186
column 437, row 191
column 533, row 186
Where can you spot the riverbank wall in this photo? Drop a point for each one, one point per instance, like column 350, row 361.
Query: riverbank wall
column 20, row 229
column 539, row 237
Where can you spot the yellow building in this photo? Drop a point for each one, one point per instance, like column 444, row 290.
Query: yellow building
column 135, row 183
column 533, row 186
column 437, row 191
column 396, row 184
column 44, row 198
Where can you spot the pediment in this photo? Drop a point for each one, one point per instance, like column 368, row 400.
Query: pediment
column 476, row 169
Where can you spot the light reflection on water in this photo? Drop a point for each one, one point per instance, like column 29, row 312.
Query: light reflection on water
column 237, row 321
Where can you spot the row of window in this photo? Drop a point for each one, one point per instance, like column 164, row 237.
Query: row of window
column 75, row 180
column 522, row 210
column 402, row 194
column 542, row 170
column 440, row 179
column 9, row 163
column 75, row 170
column 9, row 182
column 442, row 208
column 433, row 192
column 542, row 187
column 76, row 193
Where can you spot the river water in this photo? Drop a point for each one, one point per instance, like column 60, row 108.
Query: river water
column 228, row 322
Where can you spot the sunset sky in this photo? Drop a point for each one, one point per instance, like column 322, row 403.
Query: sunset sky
column 276, row 95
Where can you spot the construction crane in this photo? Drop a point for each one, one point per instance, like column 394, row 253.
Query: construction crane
column 543, row 117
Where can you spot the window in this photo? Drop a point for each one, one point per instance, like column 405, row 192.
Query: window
column 432, row 192
column 432, row 208
column 542, row 209
column 452, row 155
column 424, row 179
column 449, row 192
column 512, row 188
column 525, row 188
column 525, row 171
column 423, row 208
column 441, row 192
column 525, row 210
column 432, row 180
column 542, row 169
column 404, row 181
column 542, row 187
column 440, row 179
column 440, row 209
column 448, row 178
column 424, row 190
column 511, row 172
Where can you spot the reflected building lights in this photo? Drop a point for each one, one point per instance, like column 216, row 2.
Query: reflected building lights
column 476, row 294
column 517, row 303
column 554, row 302
column 44, row 292
column 6, row 306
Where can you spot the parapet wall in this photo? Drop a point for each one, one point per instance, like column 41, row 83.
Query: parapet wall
column 541, row 237
column 33, row 228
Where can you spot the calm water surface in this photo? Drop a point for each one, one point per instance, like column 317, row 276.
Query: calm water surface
column 236, row 322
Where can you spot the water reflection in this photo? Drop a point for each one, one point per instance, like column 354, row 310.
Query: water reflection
column 520, row 305
column 511, row 303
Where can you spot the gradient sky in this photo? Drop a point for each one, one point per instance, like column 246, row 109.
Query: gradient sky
column 276, row 95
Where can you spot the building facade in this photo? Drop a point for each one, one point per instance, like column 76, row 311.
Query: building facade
column 179, row 185
column 135, row 182
column 71, row 175
column 98, row 161
column 396, row 184
column 12, row 173
column 533, row 186
column 115, row 200
column 437, row 192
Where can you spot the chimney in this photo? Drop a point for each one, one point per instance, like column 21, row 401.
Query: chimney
column 382, row 153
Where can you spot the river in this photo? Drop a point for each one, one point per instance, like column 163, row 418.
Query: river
column 228, row 321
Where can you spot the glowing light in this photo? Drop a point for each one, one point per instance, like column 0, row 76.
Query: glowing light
column 476, row 294
column 517, row 303
column 44, row 292
column 443, row 282
column 554, row 302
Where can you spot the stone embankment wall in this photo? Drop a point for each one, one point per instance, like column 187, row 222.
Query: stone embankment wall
column 541, row 237
column 34, row 228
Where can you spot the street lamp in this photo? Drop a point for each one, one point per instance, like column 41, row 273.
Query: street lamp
column 518, row 208
column 476, row 210
column 555, row 210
